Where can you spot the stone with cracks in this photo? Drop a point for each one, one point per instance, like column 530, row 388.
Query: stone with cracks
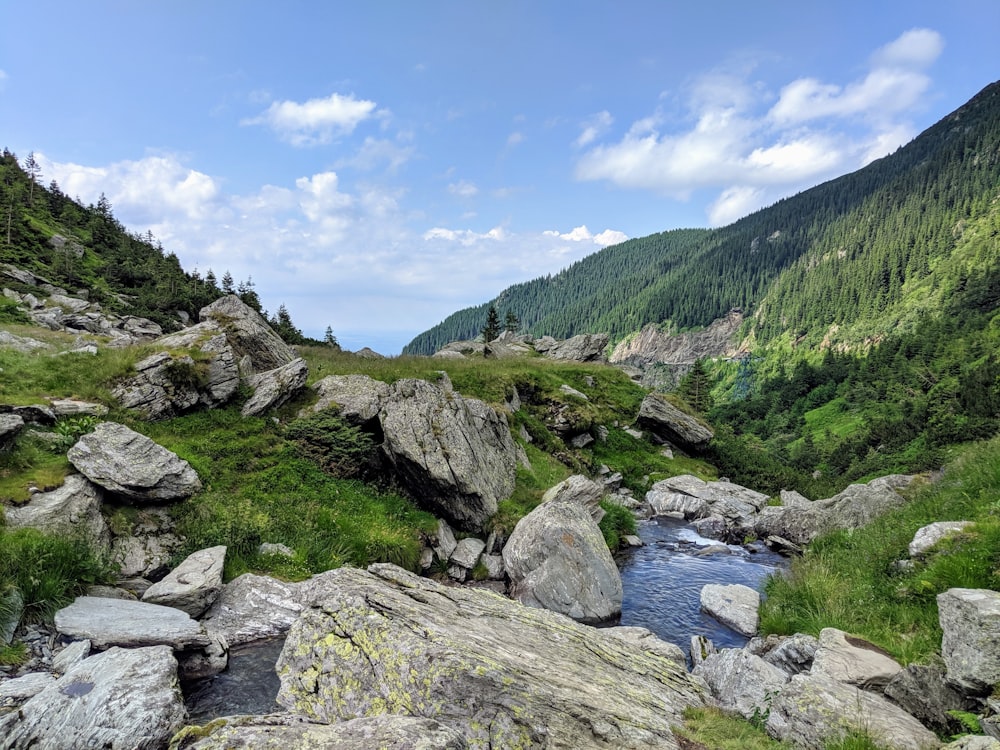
column 193, row 585
column 130, row 624
column 740, row 681
column 72, row 510
column 587, row 347
column 557, row 559
column 734, row 605
column 928, row 536
column 248, row 333
column 502, row 675
column 128, row 463
column 853, row 660
column 671, row 425
column 10, row 426
column 453, row 454
column 274, row 387
column 970, row 644
column 123, row 698
column 358, row 398
column 923, row 691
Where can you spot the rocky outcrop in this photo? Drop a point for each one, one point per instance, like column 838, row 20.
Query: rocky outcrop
column 72, row 510
column 359, row 398
column 123, row 698
column 453, row 454
column 740, row 681
column 853, row 660
column 671, row 425
column 384, row 732
column 130, row 464
column 735, row 606
column 557, row 559
column 928, row 536
column 274, row 387
column 970, row 645
column 248, row 333
column 193, row 585
column 729, row 510
column 654, row 346
column 923, row 692
column 587, row 347
column 129, row 624
column 386, row 641
column 252, row 608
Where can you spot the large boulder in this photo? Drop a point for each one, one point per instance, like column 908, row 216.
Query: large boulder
column 129, row 624
column 72, row 510
column 970, row 644
column 123, row 698
column 923, row 692
column 853, row 660
column 248, row 333
column 10, row 426
column 193, row 585
column 384, row 732
column 359, row 398
column 587, row 347
column 734, row 605
column 502, row 675
column 695, row 498
column 740, row 681
column 671, row 425
column 130, row 464
column 274, row 387
column 557, row 559
column 455, row 455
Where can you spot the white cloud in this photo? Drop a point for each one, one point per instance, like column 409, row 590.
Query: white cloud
column 593, row 127
column 582, row 234
column 916, row 47
column 463, row 189
column 316, row 121
column 515, row 138
column 610, row 237
column 733, row 203
column 375, row 152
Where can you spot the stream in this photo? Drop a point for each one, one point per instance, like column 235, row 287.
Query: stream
column 662, row 583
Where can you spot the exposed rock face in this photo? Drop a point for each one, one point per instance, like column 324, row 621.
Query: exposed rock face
column 853, row 660
column 454, row 454
column 359, row 397
column 924, row 693
column 671, row 425
column 502, row 675
column 813, row 707
column 72, row 510
column 248, row 333
column 791, row 654
column 733, row 605
column 274, row 387
column 856, row 506
column 651, row 345
column 970, row 645
column 558, row 560
column 740, row 681
column 928, row 536
column 193, row 585
column 128, row 463
column 735, row 506
column 587, row 347
column 123, row 698
column 251, row 608
column 383, row 732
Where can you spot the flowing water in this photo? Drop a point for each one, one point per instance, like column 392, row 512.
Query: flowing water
column 662, row 581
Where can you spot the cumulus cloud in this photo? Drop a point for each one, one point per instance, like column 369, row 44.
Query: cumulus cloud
column 593, row 127
column 463, row 189
column 515, row 138
column 582, row 234
column 753, row 148
column 316, row 121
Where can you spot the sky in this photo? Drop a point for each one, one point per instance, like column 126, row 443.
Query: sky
column 375, row 166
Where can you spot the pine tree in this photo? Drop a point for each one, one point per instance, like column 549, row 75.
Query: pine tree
column 695, row 387
column 227, row 283
column 492, row 328
column 511, row 322
column 329, row 339
column 34, row 171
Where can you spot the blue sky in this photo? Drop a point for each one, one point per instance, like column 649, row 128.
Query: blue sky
column 375, row 166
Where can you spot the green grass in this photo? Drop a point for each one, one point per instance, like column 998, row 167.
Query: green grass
column 717, row 730
column 850, row 579
column 834, row 417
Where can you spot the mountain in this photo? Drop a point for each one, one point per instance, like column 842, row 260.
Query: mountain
column 862, row 254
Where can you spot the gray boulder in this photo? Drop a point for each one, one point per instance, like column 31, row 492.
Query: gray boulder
column 73, row 510
column 502, row 675
column 455, row 455
column 671, row 425
column 71, row 407
column 274, row 387
column 813, row 708
column 853, row 660
column 587, row 347
column 358, row 397
column 130, row 624
column 740, row 681
column 581, row 491
column 970, row 645
column 21, row 344
column 791, row 654
column 467, row 552
column 734, row 605
column 557, row 559
column 923, row 692
column 384, row 732
column 193, row 585
column 737, row 507
column 121, row 699
column 10, row 426
column 128, row 463
column 248, row 333
column 928, row 536
column 16, row 691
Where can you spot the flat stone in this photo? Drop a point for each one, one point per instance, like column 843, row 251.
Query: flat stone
column 130, row 624
column 733, row 605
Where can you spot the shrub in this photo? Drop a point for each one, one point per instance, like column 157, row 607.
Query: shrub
column 339, row 448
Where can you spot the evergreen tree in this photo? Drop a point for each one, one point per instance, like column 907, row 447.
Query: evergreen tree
column 695, row 387
column 329, row 339
column 248, row 294
column 492, row 328
column 511, row 322
column 227, row 283
column 34, row 171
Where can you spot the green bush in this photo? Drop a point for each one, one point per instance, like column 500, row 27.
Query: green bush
column 617, row 523
column 339, row 448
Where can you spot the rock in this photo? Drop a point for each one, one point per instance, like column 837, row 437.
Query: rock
column 118, row 622
column 647, row 640
column 73, row 510
column 972, row 742
column 368, row 353
column 652, row 345
column 557, row 559
column 21, row 344
column 455, row 455
column 123, row 698
column 145, row 555
column 193, row 585
column 792, row 499
column 792, row 654
column 69, row 407
column 924, row 693
column 587, row 347
column 270, row 548
column 671, row 425
column 970, row 645
column 10, row 426
column 701, row 648
column 384, row 732
column 16, row 691
column 578, row 490
column 387, row 641
column 11, row 609
column 814, row 707
column 125, row 462
column 567, row 390
column 73, row 654
column 68, row 304
column 740, row 681
column 735, row 606
column 467, row 552
column 712, row 526
column 928, row 536
column 248, row 333
column 358, row 397
column 274, row 387
column 252, row 608
column 494, row 565
column 853, row 660
column 446, row 542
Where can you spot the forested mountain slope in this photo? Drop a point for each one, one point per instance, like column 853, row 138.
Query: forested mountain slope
column 849, row 250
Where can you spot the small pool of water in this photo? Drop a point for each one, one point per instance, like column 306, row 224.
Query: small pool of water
column 248, row 686
column 662, row 581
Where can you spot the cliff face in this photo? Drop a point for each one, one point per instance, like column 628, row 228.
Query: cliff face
column 651, row 346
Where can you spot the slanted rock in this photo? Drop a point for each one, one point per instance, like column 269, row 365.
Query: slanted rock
column 502, row 675
column 70, row 407
column 384, row 732
column 792, row 654
column 274, row 387
column 587, row 347
column 454, row 454
column 740, row 681
column 467, row 552
column 252, row 608
column 970, row 645
column 72, row 510
column 557, row 559
column 130, row 624
column 671, row 425
column 735, row 606
column 736, row 506
column 358, row 397
column 248, row 333
column 10, row 426
column 928, row 536
column 18, row 690
column 923, row 692
column 853, row 660
column 123, row 698
column 193, row 585
column 814, row 707
column 579, row 490
column 128, row 463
